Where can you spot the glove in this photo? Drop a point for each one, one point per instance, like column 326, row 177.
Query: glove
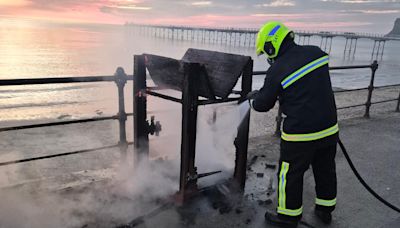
column 252, row 95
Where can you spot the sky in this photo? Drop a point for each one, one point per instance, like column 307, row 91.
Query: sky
column 372, row 16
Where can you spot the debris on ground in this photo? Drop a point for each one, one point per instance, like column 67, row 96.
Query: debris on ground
column 270, row 166
column 264, row 202
column 252, row 162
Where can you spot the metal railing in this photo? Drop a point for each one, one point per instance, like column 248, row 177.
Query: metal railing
column 120, row 78
column 367, row 104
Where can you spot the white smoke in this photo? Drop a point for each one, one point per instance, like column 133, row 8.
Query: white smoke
column 126, row 192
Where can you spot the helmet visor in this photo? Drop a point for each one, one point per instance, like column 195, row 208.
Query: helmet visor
column 269, row 48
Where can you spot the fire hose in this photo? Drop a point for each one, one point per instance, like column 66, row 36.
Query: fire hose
column 366, row 186
column 362, row 181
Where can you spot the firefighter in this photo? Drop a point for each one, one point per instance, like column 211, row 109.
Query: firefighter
column 299, row 78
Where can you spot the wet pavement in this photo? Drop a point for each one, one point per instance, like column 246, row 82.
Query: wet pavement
column 374, row 147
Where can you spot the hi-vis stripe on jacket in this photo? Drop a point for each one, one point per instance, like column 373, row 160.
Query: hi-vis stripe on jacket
column 300, row 78
column 310, row 136
column 304, row 71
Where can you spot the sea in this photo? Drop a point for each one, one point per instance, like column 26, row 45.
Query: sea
column 40, row 51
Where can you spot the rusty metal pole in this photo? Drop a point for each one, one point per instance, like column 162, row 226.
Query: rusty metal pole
column 368, row 104
column 120, row 80
column 188, row 172
column 140, row 131
column 242, row 139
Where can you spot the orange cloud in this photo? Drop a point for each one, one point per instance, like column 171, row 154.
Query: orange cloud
column 215, row 20
column 207, row 13
column 7, row 3
column 60, row 11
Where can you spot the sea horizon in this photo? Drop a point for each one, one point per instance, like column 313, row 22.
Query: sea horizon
column 76, row 50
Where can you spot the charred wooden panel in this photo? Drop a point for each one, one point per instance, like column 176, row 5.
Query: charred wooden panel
column 223, row 69
column 165, row 72
column 217, row 76
column 168, row 73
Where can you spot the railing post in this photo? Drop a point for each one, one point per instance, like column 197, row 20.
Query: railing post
column 120, row 80
column 278, row 119
column 374, row 67
column 398, row 104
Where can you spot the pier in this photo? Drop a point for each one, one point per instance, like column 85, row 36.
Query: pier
column 239, row 37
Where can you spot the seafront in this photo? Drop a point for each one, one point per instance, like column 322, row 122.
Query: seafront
column 135, row 114
column 95, row 190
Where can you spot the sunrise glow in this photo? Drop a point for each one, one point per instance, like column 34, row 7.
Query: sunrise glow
column 309, row 14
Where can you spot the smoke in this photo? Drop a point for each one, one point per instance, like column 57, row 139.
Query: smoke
column 150, row 180
column 216, row 131
column 116, row 195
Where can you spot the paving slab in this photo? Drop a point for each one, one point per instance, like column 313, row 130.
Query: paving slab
column 374, row 147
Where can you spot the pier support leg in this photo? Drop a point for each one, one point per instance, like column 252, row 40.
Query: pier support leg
column 398, row 104
column 373, row 50
column 378, row 50
column 351, row 47
column 355, row 48
column 322, row 41
column 383, row 49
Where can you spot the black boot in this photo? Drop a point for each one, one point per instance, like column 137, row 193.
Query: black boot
column 324, row 216
column 276, row 220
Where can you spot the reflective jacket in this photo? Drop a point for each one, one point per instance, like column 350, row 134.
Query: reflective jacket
column 300, row 78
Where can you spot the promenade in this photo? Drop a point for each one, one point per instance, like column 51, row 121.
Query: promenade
column 374, row 148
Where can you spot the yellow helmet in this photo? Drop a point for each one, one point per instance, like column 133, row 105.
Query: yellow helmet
column 270, row 38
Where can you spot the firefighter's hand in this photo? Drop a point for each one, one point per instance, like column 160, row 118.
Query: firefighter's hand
column 252, row 95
